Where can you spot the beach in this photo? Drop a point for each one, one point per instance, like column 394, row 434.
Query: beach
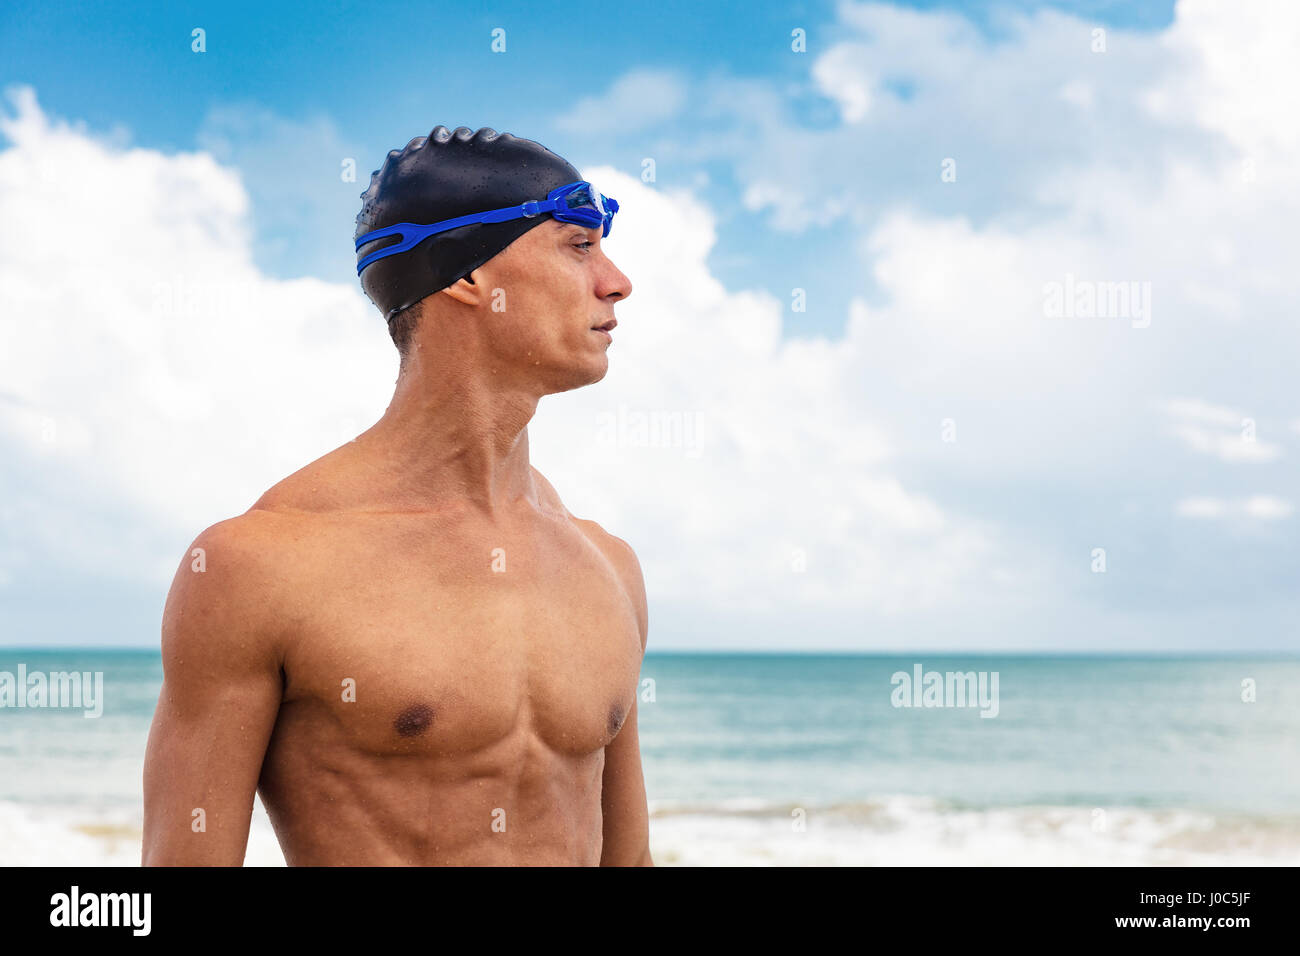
column 810, row 760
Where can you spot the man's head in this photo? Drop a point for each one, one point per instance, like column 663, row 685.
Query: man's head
column 534, row 285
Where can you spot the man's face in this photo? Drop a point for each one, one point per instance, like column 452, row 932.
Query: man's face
column 544, row 296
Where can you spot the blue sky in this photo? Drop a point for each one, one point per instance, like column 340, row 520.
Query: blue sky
column 1168, row 159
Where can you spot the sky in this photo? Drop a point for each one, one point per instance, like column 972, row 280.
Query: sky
column 954, row 327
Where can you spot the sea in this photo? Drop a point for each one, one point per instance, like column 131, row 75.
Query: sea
column 815, row 760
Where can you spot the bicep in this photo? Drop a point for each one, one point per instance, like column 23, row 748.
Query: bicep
column 221, row 693
column 626, row 818
column 623, row 797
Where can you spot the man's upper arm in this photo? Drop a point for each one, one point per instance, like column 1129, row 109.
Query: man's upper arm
column 623, row 800
column 222, row 685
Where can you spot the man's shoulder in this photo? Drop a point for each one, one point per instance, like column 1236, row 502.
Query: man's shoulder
column 227, row 595
column 262, row 545
column 621, row 555
column 228, row 559
column 611, row 545
column 614, row 547
column 618, row 552
column 258, row 531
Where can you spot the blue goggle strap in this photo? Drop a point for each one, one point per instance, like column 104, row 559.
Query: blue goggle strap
column 415, row 233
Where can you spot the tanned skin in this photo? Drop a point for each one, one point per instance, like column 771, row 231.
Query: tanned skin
column 410, row 648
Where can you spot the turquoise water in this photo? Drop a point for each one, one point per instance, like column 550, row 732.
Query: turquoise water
column 1083, row 731
column 821, row 730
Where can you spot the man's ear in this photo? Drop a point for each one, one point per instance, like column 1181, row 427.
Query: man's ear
column 465, row 290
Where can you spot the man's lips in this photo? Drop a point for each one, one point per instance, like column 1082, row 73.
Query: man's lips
column 607, row 327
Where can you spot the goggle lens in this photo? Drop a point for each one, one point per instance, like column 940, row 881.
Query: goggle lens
column 589, row 207
column 585, row 200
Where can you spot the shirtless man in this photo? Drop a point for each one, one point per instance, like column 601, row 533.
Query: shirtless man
column 410, row 648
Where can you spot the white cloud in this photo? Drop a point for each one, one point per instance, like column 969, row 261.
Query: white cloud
column 1077, row 93
column 857, row 72
column 1220, row 432
column 957, row 310
column 1205, row 412
column 1244, row 78
column 1226, row 447
column 145, row 353
column 637, row 99
column 844, row 75
column 1262, row 507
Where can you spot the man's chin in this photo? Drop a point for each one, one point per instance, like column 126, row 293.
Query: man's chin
column 577, row 376
column 594, row 372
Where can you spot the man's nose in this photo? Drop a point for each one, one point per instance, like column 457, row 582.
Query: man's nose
column 614, row 282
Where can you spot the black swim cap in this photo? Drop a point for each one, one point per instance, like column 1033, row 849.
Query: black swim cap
column 441, row 176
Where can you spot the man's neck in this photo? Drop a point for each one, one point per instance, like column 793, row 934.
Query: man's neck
column 446, row 441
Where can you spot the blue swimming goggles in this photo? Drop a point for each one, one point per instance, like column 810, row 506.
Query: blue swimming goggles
column 579, row 203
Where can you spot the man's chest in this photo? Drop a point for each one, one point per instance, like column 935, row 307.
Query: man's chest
column 454, row 643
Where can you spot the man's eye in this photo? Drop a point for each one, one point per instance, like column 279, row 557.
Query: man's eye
column 583, row 245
